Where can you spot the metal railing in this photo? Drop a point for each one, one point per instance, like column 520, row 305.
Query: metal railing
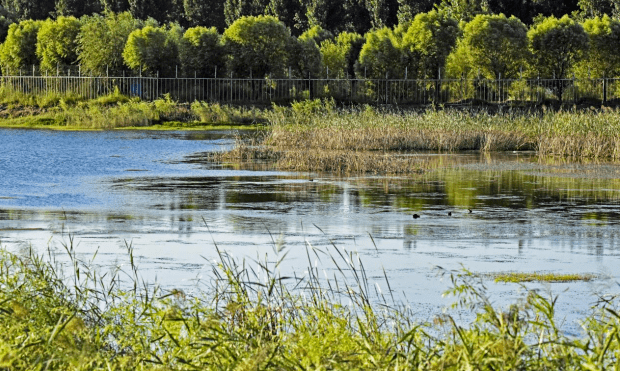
column 372, row 91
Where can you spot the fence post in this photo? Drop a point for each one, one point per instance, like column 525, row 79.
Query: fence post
column 438, row 85
column 573, row 86
column 499, row 87
column 604, row 90
column 386, row 97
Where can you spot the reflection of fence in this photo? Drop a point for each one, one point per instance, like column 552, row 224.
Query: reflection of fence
column 232, row 90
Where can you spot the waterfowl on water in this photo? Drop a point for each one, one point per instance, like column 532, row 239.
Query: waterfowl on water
column 415, row 216
column 450, row 213
column 469, row 211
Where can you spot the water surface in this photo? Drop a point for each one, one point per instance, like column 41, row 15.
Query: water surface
column 147, row 189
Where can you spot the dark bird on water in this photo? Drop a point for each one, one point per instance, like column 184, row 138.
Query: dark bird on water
column 415, row 216
column 450, row 213
column 469, row 211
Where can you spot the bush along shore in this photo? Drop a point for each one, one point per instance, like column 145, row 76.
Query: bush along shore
column 57, row 318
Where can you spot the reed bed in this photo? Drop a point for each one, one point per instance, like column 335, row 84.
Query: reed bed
column 586, row 133
column 246, row 319
column 315, row 136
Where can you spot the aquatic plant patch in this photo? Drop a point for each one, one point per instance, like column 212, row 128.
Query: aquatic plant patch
column 541, row 277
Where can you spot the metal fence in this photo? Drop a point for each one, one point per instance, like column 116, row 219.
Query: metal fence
column 372, row 91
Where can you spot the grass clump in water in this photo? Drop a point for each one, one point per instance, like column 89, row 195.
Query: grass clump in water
column 251, row 318
column 541, row 277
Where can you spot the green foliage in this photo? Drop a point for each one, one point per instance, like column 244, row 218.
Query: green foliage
column 602, row 57
column 201, row 52
column 313, row 107
column 599, row 8
column 317, row 12
column 101, row 42
column 305, row 58
column 5, row 23
column 340, row 55
column 464, row 10
column 381, row 55
column 492, row 45
column 257, row 46
column 557, row 45
column 153, row 50
column 205, row 13
column 235, row 9
column 22, row 10
column 383, row 12
column 288, row 12
column 19, row 48
column 215, row 113
column 316, row 34
column 429, row 40
column 57, row 42
column 77, row 8
column 408, row 9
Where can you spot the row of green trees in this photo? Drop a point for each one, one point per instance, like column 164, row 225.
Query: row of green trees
column 432, row 44
column 335, row 16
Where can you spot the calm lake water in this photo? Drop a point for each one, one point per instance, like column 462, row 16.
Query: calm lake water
column 149, row 189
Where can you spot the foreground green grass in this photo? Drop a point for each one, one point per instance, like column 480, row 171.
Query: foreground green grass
column 248, row 320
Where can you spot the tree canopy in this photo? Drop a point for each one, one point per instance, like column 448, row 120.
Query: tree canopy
column 340, row 55
column 102, row 39
column 152, row 50
column 602, row 56
column 381, row 55
column 257, row 46
column 19, row 48
column 57, row 42
column 429, row 39
column 556, row 46
column 492, row 46
column 202, row 52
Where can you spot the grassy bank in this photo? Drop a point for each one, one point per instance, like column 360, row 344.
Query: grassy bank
column 116, row 111
column 247, row 320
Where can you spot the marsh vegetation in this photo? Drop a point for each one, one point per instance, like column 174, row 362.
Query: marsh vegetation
column 315, row 136
column 76, row 316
